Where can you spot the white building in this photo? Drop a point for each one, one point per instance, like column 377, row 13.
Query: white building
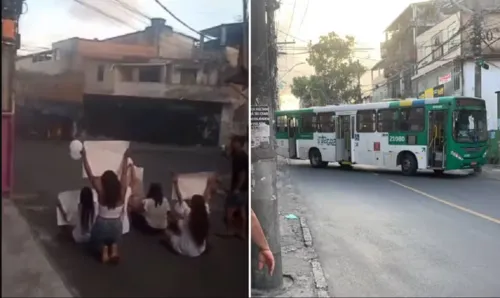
column 446, row 63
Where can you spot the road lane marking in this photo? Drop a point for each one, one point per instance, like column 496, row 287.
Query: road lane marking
column 483, row 216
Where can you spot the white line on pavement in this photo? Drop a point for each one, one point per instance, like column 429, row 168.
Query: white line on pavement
column 483, row 216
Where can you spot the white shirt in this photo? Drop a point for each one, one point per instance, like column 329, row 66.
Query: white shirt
column 118, row 212
column 156, row 216
column 78, row 235
column 184, row 243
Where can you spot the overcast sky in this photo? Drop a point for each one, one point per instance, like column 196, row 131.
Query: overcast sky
column 47, row 21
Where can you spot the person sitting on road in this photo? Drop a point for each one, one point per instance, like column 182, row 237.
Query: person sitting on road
column 187, row 232
column 111, row 191
column 150, row 214
column 86, row 215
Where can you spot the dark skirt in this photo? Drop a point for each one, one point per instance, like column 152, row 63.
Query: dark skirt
column 139, row 222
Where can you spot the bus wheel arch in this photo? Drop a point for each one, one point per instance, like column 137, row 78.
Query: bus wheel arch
column 408, row 162
column 316, row 159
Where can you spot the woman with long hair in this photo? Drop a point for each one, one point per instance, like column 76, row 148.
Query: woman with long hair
column 188, row 232
column 86, row 216
column 150, row 214
column 111, row 192
column 81, row 225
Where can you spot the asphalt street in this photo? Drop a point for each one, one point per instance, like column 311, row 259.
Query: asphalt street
column 42, row 169
column 379, row 233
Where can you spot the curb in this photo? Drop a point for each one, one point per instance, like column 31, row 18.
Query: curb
column 320, row 282
column 319, row 276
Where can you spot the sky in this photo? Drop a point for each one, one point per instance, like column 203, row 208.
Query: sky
column 47, row 21
column 366, row 20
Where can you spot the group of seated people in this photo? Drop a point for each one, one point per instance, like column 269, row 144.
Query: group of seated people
column 104, row 210
column 112, row 197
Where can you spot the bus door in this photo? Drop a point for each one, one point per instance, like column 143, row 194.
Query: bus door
column 436, row 145
column 354, row 137
column 343, row 135
column 292, row 137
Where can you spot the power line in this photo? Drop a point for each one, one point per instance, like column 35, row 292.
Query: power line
column 181, row 21
column 100, row 11
column 304, row 16
column 291, row 19
column 133, row 9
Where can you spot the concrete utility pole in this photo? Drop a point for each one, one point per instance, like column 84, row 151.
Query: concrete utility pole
column 264, row 195
column 477, row 48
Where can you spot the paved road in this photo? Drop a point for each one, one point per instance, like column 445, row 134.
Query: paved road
column 382, row 234
column 148, row 269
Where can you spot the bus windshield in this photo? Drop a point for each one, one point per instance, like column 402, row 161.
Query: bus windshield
column 470, row 126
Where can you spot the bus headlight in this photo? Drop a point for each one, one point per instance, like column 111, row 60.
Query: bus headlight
column 454, row 154
column 485, row 153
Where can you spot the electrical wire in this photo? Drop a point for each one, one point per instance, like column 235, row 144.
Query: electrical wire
column 100, row 11
column 303, row 16
column 181, row 21
column 291, row 19
column 133, row 9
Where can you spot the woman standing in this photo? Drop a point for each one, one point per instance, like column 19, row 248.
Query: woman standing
column 111, row 191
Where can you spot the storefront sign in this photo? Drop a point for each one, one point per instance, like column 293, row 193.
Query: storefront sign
column 444, row 79
column 437, row 91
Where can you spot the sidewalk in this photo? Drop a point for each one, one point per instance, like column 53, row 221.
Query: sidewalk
column 300, row 260
column 26, row 272
column 491, row 171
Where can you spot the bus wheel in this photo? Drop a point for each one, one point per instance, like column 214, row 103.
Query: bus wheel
column 316, row 159
column 409, row 165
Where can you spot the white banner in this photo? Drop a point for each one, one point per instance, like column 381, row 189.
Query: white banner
column 104, row 155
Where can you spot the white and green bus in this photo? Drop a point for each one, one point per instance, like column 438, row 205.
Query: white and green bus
column 441, row 134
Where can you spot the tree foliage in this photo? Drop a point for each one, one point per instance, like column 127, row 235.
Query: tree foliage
column 336, row 73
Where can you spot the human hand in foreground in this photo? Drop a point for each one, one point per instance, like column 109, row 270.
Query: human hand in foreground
column 266, row 258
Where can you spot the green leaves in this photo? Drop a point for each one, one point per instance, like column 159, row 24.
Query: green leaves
column 337, row 72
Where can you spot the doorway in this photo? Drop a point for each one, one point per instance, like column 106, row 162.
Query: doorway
column 292, row 137
column 344, row 143
column 436, row 139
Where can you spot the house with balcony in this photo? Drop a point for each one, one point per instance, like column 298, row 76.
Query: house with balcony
column 446, row 63
column 399, row 52
column 79, row 80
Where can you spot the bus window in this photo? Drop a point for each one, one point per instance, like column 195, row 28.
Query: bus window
column 308, row 123
column 387, row 120
column 411, row 119
column 366, row 121
column 281, row 124
column 326, row 122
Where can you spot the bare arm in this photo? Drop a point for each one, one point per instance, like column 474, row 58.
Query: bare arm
column 124, row 181
column 258, row 236
column 94, row 181
column 210, row 188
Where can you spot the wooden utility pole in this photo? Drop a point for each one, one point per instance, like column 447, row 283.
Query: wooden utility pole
column 263, row 104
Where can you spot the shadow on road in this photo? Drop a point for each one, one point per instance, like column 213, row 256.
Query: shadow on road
column 386, row 172
column 147, row 269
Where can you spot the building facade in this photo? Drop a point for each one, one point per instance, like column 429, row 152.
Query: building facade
column 399, row 50
column 446, row 64
column 156, row 65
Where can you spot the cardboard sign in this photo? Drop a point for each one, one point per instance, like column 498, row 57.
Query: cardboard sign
column 104, row 155
column 192, row 184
